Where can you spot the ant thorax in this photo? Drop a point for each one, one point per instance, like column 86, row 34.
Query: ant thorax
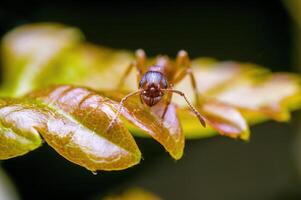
column 151, row 84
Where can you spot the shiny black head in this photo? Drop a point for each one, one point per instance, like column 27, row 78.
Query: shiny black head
column 152, row 84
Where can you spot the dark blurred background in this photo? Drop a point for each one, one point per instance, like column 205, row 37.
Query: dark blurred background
column 215, row 168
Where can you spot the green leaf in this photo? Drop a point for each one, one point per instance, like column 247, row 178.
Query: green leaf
column 20, row 122
column 93, row 66
column 31, row 51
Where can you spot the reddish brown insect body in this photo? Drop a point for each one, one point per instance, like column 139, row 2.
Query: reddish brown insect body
column 151, row 84
column 157, row 80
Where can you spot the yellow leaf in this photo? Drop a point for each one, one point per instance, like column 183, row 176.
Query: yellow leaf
column 133, row 194
column 31, row 51
column 20, row 122
column 271, row 97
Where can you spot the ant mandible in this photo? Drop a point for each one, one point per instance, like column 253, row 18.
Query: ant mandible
column 157, row 80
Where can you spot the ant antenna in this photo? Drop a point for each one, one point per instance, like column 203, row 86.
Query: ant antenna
column 120, row 108
column 194, row 110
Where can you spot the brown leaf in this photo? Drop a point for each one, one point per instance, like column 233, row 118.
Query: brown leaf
column 221, row 117
column 169, row 133
column 225, row 119
column 78, row 130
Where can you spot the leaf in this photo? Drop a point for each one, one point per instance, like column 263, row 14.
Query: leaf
column 95, row 67
column 31, row 51
column 19, row 125
column 213, row 76
column 225, row 119
column 133, row 194
column 241, row 82
column 42, row 54
column 78, row 129
column 220, row 117
column 73, row 122
column 172, row 124
column 168, row 133
column 272, row 97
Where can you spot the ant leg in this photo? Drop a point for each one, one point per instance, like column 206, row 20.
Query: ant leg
column 139, row 64
column 119, row 109
column 141, row 100
column 183, row 63
column 126, row 73
column 194, row 110
column 168, row 100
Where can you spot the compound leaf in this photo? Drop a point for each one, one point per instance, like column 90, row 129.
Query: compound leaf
column 72, row 61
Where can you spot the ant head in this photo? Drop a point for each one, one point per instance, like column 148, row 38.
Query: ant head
column 151, row 85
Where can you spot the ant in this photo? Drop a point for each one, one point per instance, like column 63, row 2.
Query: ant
column 157, row 80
